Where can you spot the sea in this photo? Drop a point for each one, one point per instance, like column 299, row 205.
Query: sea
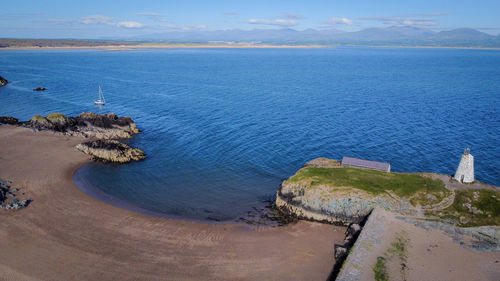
column 222, row 128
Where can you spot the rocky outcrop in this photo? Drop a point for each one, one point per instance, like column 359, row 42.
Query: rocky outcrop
column 8, row 120
column 323, row 162
column 105, row 129
column 8, row 197
column 111, row 151
column 333, row 204
column 3, row 81
column 88, row 125
column 340, row 205
column 351, row 234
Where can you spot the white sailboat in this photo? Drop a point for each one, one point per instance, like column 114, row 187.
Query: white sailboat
column 101, row 100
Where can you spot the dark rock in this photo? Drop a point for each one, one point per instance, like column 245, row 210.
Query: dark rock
column 3, row 81
column 111, row 151
column 8, row 120
column 38, row 89
column 340, row 252
column 18, row 204
column 322, row 162
column 88, row 125
column 6, row 193
column 105, row 120
column 353, row 229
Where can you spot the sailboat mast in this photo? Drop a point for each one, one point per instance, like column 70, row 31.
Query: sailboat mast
column 102, row 95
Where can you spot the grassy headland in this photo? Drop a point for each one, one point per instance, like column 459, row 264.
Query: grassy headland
column 404, row 185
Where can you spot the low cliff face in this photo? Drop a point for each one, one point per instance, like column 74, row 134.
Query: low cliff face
column 325, row 191
column 111, row 151
column 3, row 81
column 88, row 125
column 333, row 205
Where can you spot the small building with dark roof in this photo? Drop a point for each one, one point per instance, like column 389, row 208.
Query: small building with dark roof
column 366, row 164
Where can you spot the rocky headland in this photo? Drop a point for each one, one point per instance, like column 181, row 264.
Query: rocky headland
column 104, row 131
column 323, row 190
column 87, row 125
column 3, row 81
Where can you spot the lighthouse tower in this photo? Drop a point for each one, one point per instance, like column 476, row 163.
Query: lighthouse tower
column 465, row 170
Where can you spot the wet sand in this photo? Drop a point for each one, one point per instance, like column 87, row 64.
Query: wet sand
column 65, row 234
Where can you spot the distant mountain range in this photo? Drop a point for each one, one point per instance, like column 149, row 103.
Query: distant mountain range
column 395, row 35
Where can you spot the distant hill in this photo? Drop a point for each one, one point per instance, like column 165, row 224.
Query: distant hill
column 394, row 35
column 389, row 36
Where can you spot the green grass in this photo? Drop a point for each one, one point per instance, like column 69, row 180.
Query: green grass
column 473, row 207
column 56, row 117
column 38, row 118
column 380, row 270
column 376, row 182
column 396, row 254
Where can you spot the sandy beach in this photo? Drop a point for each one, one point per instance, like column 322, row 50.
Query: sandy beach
column 230, row 46
column 65, row 234
column 170, row 46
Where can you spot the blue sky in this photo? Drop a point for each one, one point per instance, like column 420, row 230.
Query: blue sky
column 106, row 18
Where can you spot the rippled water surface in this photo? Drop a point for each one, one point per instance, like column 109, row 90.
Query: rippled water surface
column 223, row 127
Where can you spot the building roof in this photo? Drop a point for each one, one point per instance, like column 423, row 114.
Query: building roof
column 361, row 163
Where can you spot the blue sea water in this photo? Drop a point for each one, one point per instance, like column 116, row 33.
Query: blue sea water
column 223, row 127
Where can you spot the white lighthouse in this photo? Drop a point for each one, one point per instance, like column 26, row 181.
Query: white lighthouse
column 465, row 170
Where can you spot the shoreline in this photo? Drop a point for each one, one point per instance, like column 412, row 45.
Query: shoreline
column 87, row 188
column 67, row 234
column 170, row 46
column 230, row 46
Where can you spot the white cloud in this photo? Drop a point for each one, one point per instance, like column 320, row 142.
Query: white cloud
column 278, row 22
column 130, row 24
column 426, row 20
column 96, row 19
column 193, row 27
column 100, row 19
column 339, row 21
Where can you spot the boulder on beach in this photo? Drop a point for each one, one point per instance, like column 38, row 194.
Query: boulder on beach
column 9, row 197
column 58, row 119
column 8, row 120
column 54, row 121
column 111, row 151
column 40, row 122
